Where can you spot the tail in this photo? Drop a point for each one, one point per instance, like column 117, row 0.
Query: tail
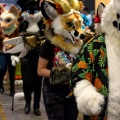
column 19, row 96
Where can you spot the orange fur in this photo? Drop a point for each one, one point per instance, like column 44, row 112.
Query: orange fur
column 63, row 28
column 68, row 47
column 71, row 18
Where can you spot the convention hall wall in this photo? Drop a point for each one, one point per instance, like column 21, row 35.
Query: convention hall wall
column 99, row 1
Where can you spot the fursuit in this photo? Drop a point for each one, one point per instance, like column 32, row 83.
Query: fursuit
column 9, row 28
column 64, row 30
column 95, row 76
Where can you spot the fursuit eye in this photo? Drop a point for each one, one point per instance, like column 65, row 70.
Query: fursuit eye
column 36, row 11
column 70, row 25
column 8, row 20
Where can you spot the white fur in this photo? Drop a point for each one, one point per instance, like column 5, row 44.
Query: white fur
column 51, row 11
column 113, row 52
column 18, row 82
column 33, row 20
column 60, row 30
column 97, row 28
column 75, row 50
column 108, row 16
column 19, row 96
column 5, row 15
column 68, row 65
column 9, row 15
column 15, row 60
column 89, row 101
column 116, row 5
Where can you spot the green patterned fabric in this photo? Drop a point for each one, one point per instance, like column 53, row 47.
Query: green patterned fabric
column 91, row 64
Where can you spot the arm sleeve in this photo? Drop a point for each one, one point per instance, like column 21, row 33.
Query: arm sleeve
column 46, row 50
column 91, row 64
column 80, row 68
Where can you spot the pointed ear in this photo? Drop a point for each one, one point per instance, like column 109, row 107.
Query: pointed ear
column 48, row 10
column 2, row 9
column 100, row 9
column 14, row 10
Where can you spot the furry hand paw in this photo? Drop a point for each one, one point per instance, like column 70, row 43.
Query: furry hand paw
column 59, row 76
column 89, row 101
column 94, row 104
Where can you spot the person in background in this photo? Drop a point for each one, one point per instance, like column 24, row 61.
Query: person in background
column 54, row 54
column 5, row 61
column 85, row 11
column 57, row 105
column 92, row 27
column 9, row 29
column 85, row 20
column 30, row 12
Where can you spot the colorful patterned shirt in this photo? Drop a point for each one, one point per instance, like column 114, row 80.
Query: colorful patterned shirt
column 91, row 64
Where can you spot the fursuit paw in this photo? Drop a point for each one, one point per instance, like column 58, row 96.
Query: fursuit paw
column 89, row 101
column 94, row 104
column 59, row 76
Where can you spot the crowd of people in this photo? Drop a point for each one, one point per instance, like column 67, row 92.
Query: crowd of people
column 57, row 45
column 38, row 63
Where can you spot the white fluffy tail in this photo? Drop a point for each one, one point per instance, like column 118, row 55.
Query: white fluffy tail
column 19, row 96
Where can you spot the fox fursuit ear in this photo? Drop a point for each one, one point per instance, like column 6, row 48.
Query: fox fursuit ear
column 97, row 19
column 100, row 9
column 48, row 10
